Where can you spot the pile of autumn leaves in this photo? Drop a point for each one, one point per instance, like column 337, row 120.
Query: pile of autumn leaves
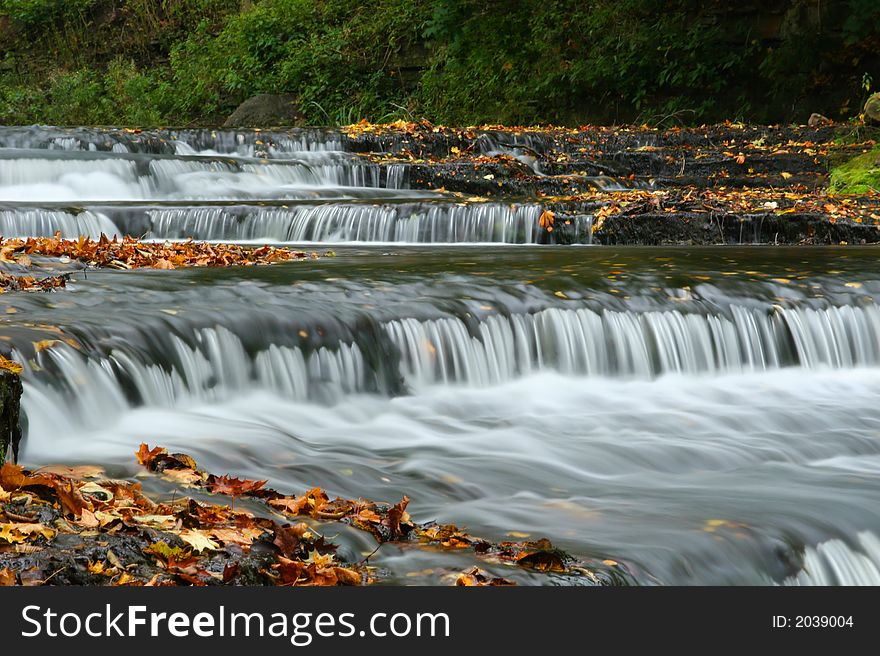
column 190, row 542
column 129, row 253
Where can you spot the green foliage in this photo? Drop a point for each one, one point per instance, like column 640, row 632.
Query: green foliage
column 515, row 61
column 42, row 14
column 336, row 54
column 451, row 61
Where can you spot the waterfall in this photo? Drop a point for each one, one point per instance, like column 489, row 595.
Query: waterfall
column 213, row 363
column 45, row 223
column 411, row 223
column 836, row 563
column 94, row 177
column 646, row 344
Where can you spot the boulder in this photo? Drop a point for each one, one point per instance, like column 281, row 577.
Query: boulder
column 872, row 110
column 267, row 110
column 10, row 399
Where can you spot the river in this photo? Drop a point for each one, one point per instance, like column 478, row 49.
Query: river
column 701, row 415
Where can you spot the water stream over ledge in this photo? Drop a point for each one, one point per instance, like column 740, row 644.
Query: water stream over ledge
column 704, row 416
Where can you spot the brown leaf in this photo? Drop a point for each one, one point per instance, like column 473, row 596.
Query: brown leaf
column 7, row 577
column 233, row 486
column 88, row 519
column 72, row 502
column 290, row 572
column 12, row 477
column 479, row 578
column 308, row 504
column 288, row 538
column 346, row 576
column 230, row 571
column 397, row 515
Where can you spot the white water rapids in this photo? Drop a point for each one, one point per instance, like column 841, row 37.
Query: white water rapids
column 701, row 416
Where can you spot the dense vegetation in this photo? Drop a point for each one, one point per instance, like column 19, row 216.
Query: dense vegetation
column 151, row 62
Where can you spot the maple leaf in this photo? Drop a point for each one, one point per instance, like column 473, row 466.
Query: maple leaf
column 547, row 220
column 198, row 540
column 240, row 536
column 146, row 456
column 232, row 486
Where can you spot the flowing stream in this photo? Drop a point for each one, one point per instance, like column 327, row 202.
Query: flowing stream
column 702, row 416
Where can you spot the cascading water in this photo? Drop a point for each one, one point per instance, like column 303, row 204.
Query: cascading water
column 702, row 416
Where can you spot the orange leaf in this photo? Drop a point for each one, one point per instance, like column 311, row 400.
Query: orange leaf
column 233, row 486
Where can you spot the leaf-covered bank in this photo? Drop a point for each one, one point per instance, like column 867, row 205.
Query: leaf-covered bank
column 63, row 525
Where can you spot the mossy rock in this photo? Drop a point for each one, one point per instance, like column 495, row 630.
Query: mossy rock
column 872, row 110
column 859, row 175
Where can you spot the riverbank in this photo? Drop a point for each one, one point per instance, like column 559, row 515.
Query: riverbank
column 72, row 525
column 193, row 61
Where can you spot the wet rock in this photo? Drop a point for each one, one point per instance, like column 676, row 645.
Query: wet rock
column 817, row 120
column 872, row 110
column 10, row 398
column 692, row 229
column 267, row 110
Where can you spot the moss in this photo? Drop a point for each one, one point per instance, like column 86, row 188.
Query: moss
column 859, row 175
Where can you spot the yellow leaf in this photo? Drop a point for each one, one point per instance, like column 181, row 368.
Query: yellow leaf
column 10, row 365
column 198, row 540
column 44, row 344
column 785, row 175
column 547, row 220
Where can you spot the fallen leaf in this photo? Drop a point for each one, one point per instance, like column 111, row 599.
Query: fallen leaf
column 198, row 540
column 7, row 577
column 547, row 219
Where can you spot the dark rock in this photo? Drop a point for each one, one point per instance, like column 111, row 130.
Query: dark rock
column 817, row 120
column 699, row 229
column 10, row 399
column 872, row 110
column 267, row 110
